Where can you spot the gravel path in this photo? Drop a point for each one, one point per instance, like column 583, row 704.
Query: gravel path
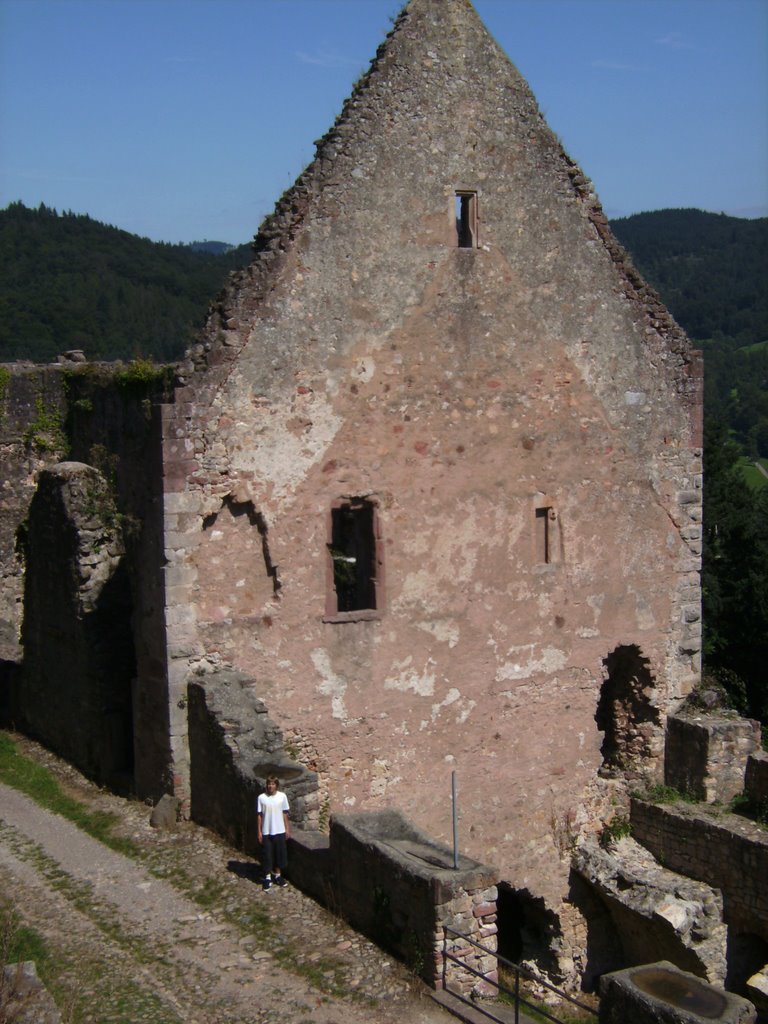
column 184, row 934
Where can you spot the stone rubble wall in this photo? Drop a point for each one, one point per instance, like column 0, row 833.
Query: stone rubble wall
column 365, row 354
column 32, row 403
column 706, row 755
column 729, row 853
column 654, row 912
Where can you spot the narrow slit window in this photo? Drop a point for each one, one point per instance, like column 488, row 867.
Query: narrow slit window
column 466, row 219
column 544, row 516
column 354, row 549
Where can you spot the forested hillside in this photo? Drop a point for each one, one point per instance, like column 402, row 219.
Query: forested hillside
column 712, row 273
column 67, row 281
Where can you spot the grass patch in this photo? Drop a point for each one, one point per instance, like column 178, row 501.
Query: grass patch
column 533, row 1008
column 661, row 794
column 756, row 811
column 36, row 782
column 750, row 474
column 19, row 943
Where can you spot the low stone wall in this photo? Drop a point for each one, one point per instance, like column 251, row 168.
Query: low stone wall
column 706, row 755
column 729, row 853
column 399, row 887
column 756, row 779
column 233, row 746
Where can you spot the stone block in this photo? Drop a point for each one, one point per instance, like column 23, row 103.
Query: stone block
column 706, row 755
column 756, row 778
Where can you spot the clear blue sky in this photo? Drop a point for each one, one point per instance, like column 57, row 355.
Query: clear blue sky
column 186, row 119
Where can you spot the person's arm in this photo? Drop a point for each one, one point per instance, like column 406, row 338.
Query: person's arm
column 287, row 824
column 259, row 820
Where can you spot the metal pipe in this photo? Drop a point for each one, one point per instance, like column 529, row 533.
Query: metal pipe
column 455, row 821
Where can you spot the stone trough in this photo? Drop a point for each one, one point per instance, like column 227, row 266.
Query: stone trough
column 661, row 994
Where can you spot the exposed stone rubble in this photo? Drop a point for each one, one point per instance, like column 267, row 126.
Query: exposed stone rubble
column 655, row 912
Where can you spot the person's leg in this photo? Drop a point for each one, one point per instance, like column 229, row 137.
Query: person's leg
column 281, row 858
column 267, row 859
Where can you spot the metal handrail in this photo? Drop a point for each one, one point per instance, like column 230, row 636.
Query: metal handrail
column 519, row 970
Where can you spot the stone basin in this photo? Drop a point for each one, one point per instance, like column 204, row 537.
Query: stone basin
column 284, row 772
column 681, row 990
column 661, row 993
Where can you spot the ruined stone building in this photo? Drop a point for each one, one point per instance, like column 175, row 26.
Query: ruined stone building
column 430, row 482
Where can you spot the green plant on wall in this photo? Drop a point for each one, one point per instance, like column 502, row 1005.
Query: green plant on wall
column 141, row 375
column 616, row 829
column 46, row 431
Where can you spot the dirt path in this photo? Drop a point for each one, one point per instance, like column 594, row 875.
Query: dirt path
column 135, row 945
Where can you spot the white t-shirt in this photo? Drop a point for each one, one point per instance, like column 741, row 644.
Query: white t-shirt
column 271, row 808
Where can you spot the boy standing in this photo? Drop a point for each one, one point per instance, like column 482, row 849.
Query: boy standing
column 273, row 830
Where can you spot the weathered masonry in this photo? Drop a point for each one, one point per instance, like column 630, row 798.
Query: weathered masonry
column 431, row 482
column 434, row 476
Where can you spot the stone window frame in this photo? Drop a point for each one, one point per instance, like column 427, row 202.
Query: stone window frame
column 332, row 613
column 464, row 214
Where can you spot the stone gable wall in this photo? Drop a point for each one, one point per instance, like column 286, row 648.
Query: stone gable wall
column 473, row 397
column 364, row 354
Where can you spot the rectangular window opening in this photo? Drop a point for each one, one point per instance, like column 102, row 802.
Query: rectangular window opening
column 354, row 557
column 466, row 219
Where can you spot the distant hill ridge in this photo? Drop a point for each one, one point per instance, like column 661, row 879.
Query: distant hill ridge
column 710, row 269
column 67, row 281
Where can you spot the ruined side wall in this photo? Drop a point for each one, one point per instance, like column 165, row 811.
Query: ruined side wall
column 32, row 411
column 102, row 415
column 79, row 664
column 366, row 354
column 730, row 854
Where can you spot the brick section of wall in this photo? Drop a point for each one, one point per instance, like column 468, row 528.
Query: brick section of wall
column 728, row 853
column 706, row 755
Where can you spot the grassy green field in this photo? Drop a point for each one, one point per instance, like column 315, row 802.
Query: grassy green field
column 752, row 475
